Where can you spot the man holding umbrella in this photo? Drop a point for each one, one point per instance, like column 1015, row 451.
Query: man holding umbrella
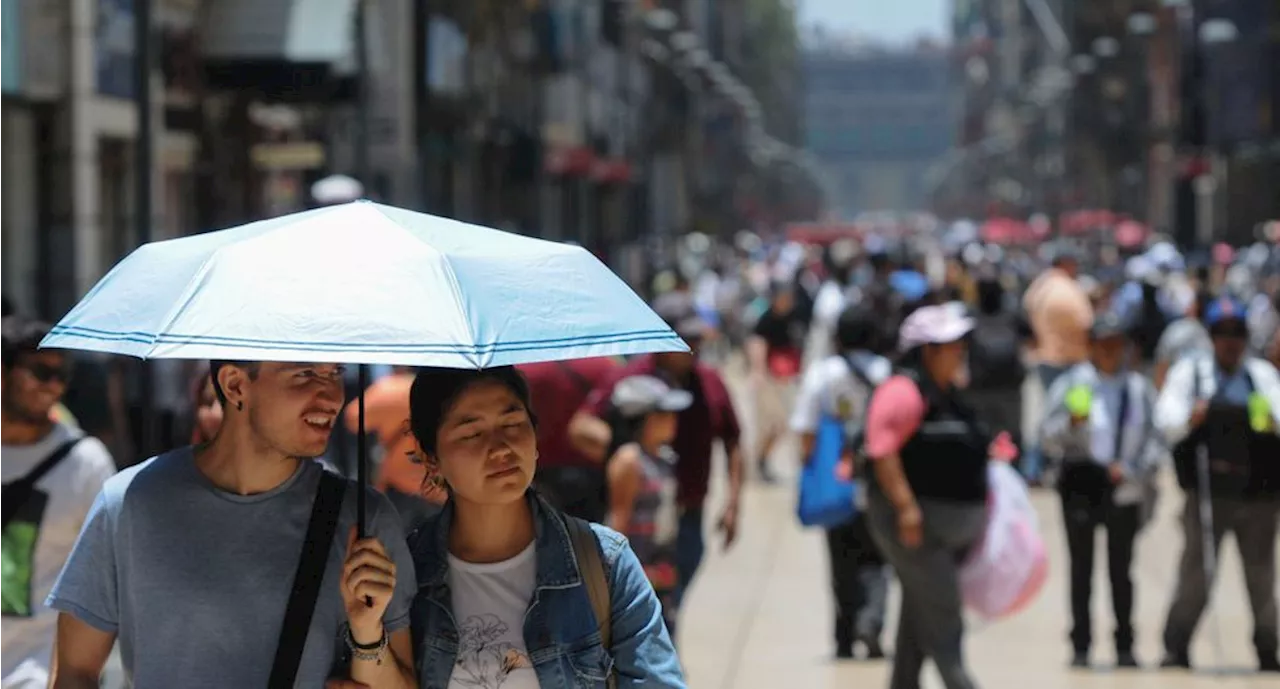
column 189, row 558
column 1220, row 412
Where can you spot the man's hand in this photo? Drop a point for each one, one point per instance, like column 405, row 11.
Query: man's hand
column 1116, row 472
column 1198, row 413
column 728, row 524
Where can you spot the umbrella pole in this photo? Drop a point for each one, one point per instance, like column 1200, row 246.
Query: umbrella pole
column 362, row 454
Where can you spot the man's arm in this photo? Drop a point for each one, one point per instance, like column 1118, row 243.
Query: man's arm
column 79, row 654
column 1174, row 405
column 590, row 435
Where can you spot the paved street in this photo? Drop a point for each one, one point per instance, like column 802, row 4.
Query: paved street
column 759, row 616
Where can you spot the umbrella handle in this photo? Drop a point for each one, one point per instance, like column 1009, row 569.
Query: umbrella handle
column 362, row 459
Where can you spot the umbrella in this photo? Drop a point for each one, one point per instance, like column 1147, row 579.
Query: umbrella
column 363, row 283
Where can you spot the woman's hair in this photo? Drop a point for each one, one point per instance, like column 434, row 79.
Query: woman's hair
column 435, row 390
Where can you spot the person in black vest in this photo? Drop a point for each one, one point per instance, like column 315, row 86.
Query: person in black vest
column 1098, row 432
column 926, row 507
column 1221, row 413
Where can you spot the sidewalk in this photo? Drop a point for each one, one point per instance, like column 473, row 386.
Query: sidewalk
column 759, row 616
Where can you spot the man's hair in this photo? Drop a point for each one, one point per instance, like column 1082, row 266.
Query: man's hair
column 251, row 367
column 22, row 335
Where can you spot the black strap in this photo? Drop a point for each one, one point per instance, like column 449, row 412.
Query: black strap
column 307, row 580
column 18, row 492
column 1122, row 414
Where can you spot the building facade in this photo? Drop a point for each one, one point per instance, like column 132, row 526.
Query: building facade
column 877, row 120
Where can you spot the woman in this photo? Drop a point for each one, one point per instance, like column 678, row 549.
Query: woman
column 927, row 505
column 502, row 601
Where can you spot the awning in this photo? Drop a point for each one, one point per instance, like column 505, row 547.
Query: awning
column 286, row 30
column 297, row 50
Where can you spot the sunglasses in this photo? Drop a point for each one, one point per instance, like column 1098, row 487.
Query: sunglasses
column 44, row 373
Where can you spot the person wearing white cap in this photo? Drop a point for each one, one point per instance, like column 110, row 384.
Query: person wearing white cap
column 927, row 505
column 642, row 482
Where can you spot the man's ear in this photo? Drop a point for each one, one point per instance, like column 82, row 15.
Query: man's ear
column 235, row 385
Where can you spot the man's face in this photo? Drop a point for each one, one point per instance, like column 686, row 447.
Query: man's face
column 293, row 407
column 35, row 383
column 1070, row 267
column 1109, row 353
column 1230, row 341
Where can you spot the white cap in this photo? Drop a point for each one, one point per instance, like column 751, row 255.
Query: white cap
column 635, row 396
column 933, row 325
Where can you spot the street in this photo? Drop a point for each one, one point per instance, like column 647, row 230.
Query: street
column 760, row 615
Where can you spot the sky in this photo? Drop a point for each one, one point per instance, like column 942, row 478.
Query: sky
column 891, row 21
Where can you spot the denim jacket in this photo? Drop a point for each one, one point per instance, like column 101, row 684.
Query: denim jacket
column 560, row 632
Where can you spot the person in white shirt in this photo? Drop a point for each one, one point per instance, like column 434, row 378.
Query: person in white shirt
column 52, row 473
column 1098, row 432
column 839, row 386
column 1220, row 414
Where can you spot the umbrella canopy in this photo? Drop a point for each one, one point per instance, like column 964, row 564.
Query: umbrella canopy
column 363, row 283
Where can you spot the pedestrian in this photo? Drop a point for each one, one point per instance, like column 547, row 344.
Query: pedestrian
column 504, row 581
column 839, row 387
column 399, row 475
column 1099, row 435
column 927, row 504
column 1221, row 413
column 774, row 353
column 567, row 478
column 197, row 541
column 711, row 419
column 642, row 482
column 1060, row 314
column 52, row 472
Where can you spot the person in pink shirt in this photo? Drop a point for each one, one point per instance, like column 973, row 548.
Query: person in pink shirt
column 927, row 505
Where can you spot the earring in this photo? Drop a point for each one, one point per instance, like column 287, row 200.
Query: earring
column 240, row 405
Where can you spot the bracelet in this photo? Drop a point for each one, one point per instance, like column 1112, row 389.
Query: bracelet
column 367, row 652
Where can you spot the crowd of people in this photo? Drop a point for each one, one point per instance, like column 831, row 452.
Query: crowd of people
column 1091, row 374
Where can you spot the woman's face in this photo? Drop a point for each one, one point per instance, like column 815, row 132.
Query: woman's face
column 209, row 411
column 659, row 428
column 946, row 361
column 486, row 448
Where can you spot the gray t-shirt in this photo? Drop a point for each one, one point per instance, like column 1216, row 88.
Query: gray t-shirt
column 194, row 580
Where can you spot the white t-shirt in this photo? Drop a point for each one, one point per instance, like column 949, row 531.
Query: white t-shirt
column 70, row 489
column 489, row 603
column 830, row 387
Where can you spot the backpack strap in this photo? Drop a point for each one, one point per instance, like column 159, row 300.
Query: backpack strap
column 586, row 550
column 307, row 580
column 18, row 492
column 1122, row 415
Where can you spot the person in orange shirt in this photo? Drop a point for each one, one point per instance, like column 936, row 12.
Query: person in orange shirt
column 400, row 475
column 1060, row 314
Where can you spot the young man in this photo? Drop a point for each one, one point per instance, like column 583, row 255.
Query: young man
column 51, row 474
column 189, row 558
column 1098, row 431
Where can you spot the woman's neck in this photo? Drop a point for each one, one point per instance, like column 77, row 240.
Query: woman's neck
column 484, row 534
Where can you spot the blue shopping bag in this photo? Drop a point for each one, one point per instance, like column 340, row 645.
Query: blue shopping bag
column 825, row 499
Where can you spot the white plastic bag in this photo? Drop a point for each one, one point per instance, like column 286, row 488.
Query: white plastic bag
column 1009, row 566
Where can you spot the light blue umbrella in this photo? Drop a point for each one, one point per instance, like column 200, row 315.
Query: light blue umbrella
column 363, row 283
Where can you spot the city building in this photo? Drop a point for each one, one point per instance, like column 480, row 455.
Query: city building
column 877, row 119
